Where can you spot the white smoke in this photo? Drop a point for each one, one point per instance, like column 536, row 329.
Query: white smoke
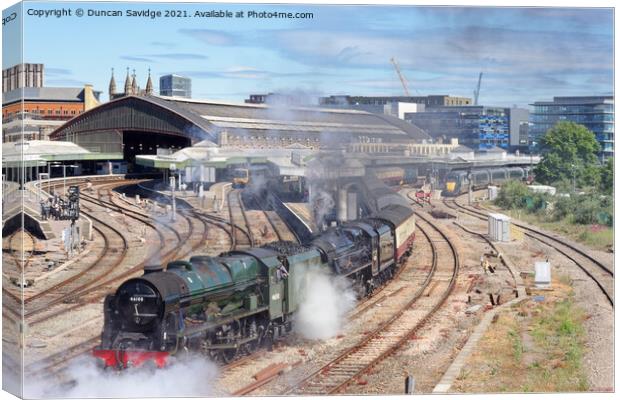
column 285, row 98
column 258, row 183
column 325, row 302
column 188, row 377
column 322, row 205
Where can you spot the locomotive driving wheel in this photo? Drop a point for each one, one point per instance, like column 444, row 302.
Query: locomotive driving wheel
column 258, row 332
column 359, row 287
column 227, row 355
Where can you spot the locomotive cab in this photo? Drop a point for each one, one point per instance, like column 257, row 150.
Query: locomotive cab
column 455, row 183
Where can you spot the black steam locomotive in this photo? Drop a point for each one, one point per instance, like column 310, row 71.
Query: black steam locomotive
column 239, row 300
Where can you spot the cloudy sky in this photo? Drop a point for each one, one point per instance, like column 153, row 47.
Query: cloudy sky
column 525, row 54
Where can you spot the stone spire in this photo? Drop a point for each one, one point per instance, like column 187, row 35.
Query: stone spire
column 134, row 84
column 149, row 85
column 112, row 87
column 127, row 84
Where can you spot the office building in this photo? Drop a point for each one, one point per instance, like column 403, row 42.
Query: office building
column 175, row 85
column 22, row 76
column 283, row 99
column 428, row 101
column 478, row 127
column 33, row 113
column 519, row 127
column 594, row 112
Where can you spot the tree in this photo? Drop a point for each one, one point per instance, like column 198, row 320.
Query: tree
column 607, row 176
column 569, row 149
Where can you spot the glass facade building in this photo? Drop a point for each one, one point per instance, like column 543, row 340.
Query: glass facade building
column 477, row 127
column 594, row 112
column 175, row 85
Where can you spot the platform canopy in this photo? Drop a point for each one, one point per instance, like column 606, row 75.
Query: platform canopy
column 211, row 156
column 32, row 153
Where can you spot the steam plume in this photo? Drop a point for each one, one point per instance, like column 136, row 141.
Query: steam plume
column 191, row 376
column 326, row 300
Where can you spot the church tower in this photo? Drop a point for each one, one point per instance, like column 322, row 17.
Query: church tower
column 134, row 84
column 149, row 85
column 127, row 84
column 112, row 86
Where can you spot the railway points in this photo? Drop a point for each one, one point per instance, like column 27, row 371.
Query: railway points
column 597, row 270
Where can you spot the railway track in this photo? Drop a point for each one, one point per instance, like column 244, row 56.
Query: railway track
column 111, row 256
column 185, row 244
column 89, row 278
column 278, row 227
column 484, row 239
column 182, row 246
column 88, row 291
column 242, row 237
column 54, row 363
column 224, row 224
column 221, row 223
column 393, row 333
column 601, row 274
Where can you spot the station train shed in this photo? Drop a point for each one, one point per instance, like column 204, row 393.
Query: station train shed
column 159, row 126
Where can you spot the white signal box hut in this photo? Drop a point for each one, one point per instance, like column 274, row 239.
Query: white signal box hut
column 499, row 227
column 542, row 277
column 493, row 190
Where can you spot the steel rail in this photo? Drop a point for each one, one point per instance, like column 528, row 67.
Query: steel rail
column 364, row 348
column 234, row 225
column 554, row 243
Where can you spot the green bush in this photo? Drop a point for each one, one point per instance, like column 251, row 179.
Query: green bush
column 586, row 211
column 513, row 195
column 562, row 208
column 536, row 202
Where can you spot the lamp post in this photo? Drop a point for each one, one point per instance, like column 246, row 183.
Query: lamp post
column 574, row 185
column 469, row 192
column 173, row 169
column 64, row 174
column 39, row 189
column 21, row 147
column 432, row 176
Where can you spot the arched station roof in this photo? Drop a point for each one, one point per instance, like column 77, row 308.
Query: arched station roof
column 204, row 120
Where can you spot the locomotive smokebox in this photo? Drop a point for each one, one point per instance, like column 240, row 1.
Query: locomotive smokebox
column 151, row 268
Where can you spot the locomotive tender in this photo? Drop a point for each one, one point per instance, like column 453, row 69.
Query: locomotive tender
column 241, row 299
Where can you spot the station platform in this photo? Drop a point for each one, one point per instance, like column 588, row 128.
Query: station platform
column 214, row 198
column 304, row 213
column 48, row 231
column 210, row 202
column 11, row 212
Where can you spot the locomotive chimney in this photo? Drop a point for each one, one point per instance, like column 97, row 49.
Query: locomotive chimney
column 151, row 268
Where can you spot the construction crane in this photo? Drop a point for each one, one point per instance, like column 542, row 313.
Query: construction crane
column 400, row 76
column 477, row 91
